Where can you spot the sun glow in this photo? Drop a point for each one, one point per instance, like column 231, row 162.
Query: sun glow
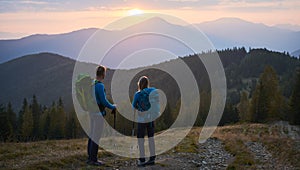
column 134, row 12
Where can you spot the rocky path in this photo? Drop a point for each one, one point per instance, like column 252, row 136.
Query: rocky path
column 264, row 158
column 211, row 155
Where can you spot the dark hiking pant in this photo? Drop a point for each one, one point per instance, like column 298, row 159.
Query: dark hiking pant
column 96, row 127
column 142, row 127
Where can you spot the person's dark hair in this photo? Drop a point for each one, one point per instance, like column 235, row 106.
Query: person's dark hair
column 100, row 71
column 143, row 83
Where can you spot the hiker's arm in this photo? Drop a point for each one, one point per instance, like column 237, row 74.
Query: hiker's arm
column 102, row 96
column 134, row 101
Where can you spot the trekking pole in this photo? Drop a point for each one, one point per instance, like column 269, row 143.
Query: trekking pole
column 132, row 134
column 115, row 120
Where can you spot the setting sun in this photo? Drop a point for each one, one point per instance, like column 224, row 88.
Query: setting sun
column 134, row 12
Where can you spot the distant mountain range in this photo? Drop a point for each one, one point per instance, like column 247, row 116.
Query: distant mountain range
column 223, row 33
column 68, row 44
column 296, row 53
column 9, row 35
column 288, row 27
column 230, row 32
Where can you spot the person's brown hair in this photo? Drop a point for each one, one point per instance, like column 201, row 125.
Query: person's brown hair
column 100, row 70
column 143, row 83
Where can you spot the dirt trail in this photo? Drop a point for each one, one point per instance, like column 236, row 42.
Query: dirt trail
column 211, row 155
column 264, row 158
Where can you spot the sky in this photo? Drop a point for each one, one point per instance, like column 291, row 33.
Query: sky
column 24, row 17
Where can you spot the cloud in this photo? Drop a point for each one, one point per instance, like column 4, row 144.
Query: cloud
column 107, row 5
column 34, row 2
column 56, row 16
column 183, row 0
column 106, row 8
column 247, row 6
column 26, row 5
column 73, row 5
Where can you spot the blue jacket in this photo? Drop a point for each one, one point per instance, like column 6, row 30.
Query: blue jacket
column 101, row 95
column 153, row 112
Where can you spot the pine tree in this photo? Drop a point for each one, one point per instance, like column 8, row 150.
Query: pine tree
column 267, row 101
column 72, row 126
column 12, row 121
column 204, row 108
column 8, row 123
column 20, row 117
column 57, row 120
column 53, row 121
column 230, row 115
column 35, row 114
column 44, row 124
column 27, row 125
column 244, row 107
column 5, row 127
column 295, row 102
column 258, row 104
column 61, row 114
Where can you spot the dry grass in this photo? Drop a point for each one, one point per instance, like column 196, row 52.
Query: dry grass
column 71, row 154
column 284, row 150
column 243, row 159
column 190, row 143
column 21, row 155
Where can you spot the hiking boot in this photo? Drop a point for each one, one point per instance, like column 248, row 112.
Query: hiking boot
column 141, row 163
column 95, row 163
column 150, row 162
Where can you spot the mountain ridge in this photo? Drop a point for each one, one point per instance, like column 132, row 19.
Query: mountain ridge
column 37, row 74
column 69, row 44
column 247, row 34
column 54, row 43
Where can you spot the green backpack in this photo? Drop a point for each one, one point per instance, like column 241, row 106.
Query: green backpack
column 85, row 93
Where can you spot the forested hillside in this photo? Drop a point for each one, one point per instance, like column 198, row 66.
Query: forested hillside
column 261, row 87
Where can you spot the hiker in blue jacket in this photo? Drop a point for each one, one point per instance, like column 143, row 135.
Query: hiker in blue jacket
column 96, row 120
column 145, row 118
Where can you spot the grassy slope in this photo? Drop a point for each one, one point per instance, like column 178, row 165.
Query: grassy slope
column 284, row 149
column 71, row 154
